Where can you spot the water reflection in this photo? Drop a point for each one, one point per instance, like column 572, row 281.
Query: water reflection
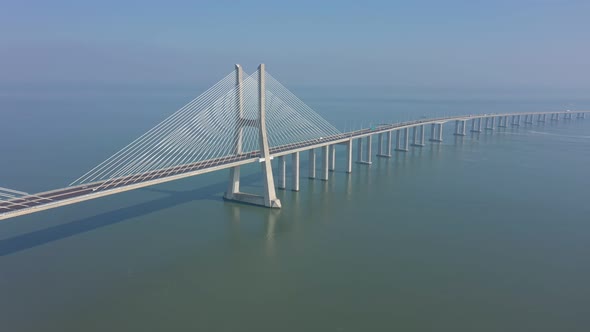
column 348, row 185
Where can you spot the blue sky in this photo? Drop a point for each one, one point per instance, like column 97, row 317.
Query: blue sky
column 519, row 44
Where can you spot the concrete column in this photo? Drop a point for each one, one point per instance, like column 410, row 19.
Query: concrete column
column 359, row 151
column 234, row 173
column 349, row 156
column 295, row 171
column 270, row 197
column 457, row 127
column 463, row 125
column 332, row 158
column 312, row 164
column 388, row 145
column 282, row 172
column 380, row 144
column 473, row 125
column 422, row 142
column 407, row 138
column 440, row 129
column 369, row 147
column 325, row 162
column 432, row 132
column 492, row 127
column 398, row 142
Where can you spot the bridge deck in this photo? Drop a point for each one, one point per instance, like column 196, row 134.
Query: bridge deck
column 70, row 195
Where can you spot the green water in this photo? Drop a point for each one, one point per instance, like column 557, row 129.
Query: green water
column 489, row 232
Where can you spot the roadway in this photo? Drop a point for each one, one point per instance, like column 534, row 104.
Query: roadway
column 69, row 195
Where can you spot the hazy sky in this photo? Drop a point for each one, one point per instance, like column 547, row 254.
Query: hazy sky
column 525, row 44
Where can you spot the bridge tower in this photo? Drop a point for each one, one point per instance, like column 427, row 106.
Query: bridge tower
column 269, row 197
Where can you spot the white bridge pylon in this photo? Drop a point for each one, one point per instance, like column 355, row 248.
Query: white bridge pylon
column 242, row 116
column 269, row 198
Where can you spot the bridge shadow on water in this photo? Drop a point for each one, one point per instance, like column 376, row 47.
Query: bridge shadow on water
column 36, row 238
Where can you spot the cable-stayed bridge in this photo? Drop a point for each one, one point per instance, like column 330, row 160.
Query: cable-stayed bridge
column 245, row 119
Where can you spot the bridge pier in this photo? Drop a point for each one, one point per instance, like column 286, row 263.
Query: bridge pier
column 311, row 157
column 349, row 156
column 503, row 122
column 478, row 130
column 360, row 159
column 282, row 172
column 295, row 171
column 460, row 127
column 567, row 116
column 580, row 115
column 490, row 123
column 541, row 117
column 436, row 132
column 325, row 163
column 387, row 152
column 528, row 119
column 415, row 142
column 359, row 150
column 332, row 158
column 402, row 145
column 516, row 120
column 554, row 117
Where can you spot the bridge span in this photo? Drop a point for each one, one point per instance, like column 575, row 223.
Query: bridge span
column 251, row 135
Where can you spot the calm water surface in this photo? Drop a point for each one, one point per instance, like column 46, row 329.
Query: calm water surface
column 489, row 232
